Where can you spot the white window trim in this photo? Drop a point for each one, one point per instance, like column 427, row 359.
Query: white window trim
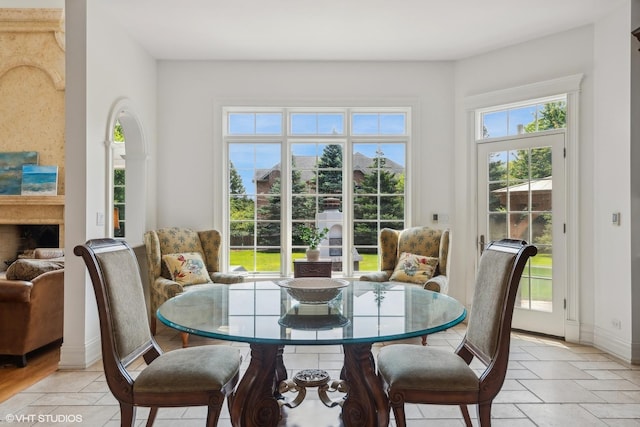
column 222, row 107
column 569, row 85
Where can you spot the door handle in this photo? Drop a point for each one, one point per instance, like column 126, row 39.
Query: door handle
column 481, row 243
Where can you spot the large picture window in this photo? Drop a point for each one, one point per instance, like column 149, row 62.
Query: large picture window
column 343, row 169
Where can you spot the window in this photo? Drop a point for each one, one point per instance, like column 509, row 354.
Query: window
column 534, row 116
column 344, row 168
column 118, row 181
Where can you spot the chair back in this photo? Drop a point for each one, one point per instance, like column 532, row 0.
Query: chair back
column 180, row 240
column 423, row 241
column 124, row 326
column 489, row 325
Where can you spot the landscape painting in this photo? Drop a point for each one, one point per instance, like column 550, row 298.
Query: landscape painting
column 39, row 180
column 11, row 170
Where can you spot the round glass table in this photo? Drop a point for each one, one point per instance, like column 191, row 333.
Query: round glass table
column 264, row 315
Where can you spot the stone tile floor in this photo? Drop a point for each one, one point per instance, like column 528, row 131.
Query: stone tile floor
column 549, row 383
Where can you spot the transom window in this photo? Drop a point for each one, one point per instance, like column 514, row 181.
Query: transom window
column 515, row 119
column 343, row 169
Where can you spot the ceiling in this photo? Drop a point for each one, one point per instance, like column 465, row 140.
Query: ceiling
column 386, row 30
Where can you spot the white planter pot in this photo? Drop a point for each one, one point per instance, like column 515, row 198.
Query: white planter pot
column 313, row 254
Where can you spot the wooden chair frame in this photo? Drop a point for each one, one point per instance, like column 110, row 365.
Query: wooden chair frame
column 495, row 361
column 115, row 365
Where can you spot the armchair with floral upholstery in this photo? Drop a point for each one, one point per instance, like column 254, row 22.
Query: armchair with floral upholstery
column 425, row 261
column 178, row 258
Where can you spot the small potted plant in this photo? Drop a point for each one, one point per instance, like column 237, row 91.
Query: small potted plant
column 312, row 236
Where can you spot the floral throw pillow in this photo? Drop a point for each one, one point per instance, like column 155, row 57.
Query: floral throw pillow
column 187, row 268
column 414, row 268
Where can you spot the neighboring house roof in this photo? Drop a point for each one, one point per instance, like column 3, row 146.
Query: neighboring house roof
column 307, row 163
column 543, row 184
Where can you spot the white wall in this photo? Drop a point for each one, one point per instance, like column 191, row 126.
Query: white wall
column 540, row 60
column 103, row 64
column 602, row 53
column 190, row 161
column 612, row 181
column 190, row 147
column 635, row 178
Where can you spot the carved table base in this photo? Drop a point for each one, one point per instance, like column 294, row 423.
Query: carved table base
column 256, row 400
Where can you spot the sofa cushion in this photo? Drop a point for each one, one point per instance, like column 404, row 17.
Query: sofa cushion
column 28, row 269
column 187, row 268
column 414, row 268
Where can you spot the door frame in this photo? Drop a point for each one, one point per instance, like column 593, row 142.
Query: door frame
column 528, row 319
column 570, row 86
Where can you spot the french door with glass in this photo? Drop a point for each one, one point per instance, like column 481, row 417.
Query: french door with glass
column 521, row 195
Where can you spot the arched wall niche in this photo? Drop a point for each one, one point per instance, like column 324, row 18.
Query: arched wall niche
column 136, row 156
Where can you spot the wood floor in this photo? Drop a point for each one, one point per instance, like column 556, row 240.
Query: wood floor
column 40, row 364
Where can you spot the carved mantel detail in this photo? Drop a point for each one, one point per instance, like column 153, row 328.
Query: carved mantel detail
column 36, row 39
column 32, row 92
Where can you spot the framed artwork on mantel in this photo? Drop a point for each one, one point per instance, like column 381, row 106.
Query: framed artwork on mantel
column 39, row 180
column 11, row 164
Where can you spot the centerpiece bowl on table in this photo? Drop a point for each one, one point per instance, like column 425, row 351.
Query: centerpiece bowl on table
column 313, row 290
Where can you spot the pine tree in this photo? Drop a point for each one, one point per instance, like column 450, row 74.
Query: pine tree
column 330, row 170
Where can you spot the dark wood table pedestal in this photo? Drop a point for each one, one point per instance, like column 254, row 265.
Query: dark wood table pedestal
column 255, row 402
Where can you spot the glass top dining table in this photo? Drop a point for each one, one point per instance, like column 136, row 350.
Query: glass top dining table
column 267, row 317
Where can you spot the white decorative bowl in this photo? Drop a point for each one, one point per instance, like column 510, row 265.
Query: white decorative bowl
column 313, row 290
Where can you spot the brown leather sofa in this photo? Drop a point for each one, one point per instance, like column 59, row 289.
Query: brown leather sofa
column 32, row 304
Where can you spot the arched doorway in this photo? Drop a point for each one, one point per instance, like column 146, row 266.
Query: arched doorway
column 125, row 217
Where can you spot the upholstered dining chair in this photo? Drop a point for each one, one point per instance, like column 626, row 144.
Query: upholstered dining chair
column 197, row 376
column 415, row 374
column 190, row 249
column 398, row 247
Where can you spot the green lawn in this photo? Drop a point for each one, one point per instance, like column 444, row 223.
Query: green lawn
column 270, row 261
column 539, row 286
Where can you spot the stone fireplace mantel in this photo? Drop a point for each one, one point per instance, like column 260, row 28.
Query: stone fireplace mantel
column 33, row 210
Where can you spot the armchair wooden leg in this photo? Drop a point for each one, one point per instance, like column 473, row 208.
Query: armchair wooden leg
column 185, row 339
column 424, row 340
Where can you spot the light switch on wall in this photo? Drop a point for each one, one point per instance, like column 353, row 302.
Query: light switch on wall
column 615, row 218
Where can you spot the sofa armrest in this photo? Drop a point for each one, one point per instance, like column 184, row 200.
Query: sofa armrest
column 378, row 276
column 438, row 283
column 15, row 290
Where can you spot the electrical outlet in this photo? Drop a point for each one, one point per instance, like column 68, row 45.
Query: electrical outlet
column 99, row 218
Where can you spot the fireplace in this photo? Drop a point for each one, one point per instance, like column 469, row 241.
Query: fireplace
column 27, row 222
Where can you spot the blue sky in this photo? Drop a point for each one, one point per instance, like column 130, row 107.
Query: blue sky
column 247, row 157
column 504, row 123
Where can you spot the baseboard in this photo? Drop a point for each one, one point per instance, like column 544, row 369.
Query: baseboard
column 80, row 357
column 615, row 346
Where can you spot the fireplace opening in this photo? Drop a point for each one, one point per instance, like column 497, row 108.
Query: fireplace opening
column 39, row 236
column 20, row 240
